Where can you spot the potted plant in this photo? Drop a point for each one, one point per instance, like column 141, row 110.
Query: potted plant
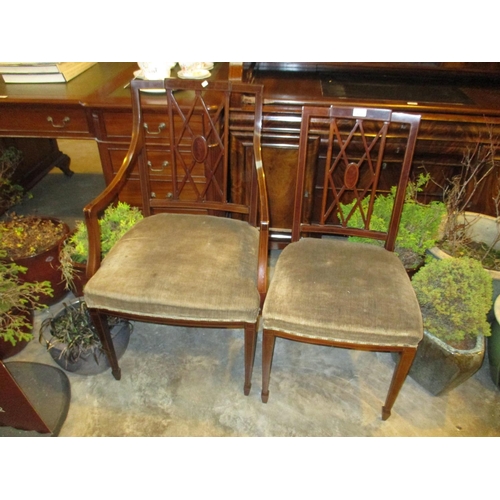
column 72, row 339
column 466, row 233
column 454, row 298
column 418, row 228
column 33, row 243
column 10, row 192
column 116, row 221
column 471, row 234
column 18, row 300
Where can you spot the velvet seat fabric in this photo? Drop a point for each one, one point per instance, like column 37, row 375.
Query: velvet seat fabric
column 211, row 274
column 335, row 290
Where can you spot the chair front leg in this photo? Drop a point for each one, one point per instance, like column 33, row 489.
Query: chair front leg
column 268, row 341
column 399, row 376
column 101, row 324
column 250, row 344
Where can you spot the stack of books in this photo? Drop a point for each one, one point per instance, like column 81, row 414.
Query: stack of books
column 43, row 72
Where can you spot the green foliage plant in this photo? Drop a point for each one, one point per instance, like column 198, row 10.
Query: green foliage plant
column 419, row 226
column 454, row 296
column 17, row 298
column 114, row 223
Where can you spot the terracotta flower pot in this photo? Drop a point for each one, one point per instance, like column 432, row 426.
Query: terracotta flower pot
column 45, row 266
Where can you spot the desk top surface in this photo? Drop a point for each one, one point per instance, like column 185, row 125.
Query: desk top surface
column 105, row 85
column 99, row 80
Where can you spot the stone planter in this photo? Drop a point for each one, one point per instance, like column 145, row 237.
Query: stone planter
column 438, row 367
column 494, row 345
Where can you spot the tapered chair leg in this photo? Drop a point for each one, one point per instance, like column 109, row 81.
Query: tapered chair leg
column 102, row 327
column 250, row 346
column 268, row 341
column 399, row 376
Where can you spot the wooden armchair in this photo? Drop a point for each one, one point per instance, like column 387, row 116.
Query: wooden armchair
column 198, row 258
column 326, row 289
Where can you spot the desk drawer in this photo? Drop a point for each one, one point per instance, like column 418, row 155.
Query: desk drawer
column 42, row 121
column 160, row 174
column 158, row 161
column 117, row 126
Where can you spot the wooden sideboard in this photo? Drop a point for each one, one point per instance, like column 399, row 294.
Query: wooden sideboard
column 459, row 104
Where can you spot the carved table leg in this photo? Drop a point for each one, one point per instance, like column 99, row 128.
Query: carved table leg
column 63, row 163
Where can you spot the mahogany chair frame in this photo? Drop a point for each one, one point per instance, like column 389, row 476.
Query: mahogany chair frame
column 314, row 121
column 214, row 101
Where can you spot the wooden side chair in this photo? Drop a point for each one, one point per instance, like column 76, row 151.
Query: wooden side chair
column 326, row 289
column 197, row 258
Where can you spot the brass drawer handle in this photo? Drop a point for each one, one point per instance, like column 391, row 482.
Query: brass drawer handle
column 161, row 126
column 163, row 165
column 65, row 121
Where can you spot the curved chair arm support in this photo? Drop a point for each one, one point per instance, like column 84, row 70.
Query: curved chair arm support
column 93, row 209
column 263, row 257
column 263, row 226
column 264, row 218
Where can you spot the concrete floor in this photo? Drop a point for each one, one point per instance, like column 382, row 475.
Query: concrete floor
column 188, row 382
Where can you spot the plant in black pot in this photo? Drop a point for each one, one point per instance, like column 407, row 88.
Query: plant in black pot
column 454, row 296
column 73, row 343
column 116, row 221
column 18, row 300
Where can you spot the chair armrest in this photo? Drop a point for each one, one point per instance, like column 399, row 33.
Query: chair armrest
column 95, row 208
column 263, row 261
column 263, row 226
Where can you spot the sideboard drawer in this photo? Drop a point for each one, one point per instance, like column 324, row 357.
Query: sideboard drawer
column 44, row 121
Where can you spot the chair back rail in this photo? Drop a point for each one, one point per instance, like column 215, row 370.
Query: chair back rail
column 357, row 141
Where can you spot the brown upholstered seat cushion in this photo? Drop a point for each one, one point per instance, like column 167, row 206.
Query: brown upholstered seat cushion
column 181, row 266
column 333, row 289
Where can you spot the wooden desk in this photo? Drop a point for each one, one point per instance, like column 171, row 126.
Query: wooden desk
column 96, row 105
column 33, row 116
